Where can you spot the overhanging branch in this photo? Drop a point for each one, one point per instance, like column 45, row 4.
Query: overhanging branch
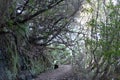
column 50, row 6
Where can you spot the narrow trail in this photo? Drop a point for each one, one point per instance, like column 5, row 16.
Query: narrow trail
column 64, row 72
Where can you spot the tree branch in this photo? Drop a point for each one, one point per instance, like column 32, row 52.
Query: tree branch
column 50, row 6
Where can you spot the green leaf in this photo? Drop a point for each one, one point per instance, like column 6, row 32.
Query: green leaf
column 88, row 1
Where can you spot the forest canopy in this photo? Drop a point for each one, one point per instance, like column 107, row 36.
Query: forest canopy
column 35, row 35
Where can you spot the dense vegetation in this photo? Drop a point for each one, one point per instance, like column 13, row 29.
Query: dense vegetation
column 37, row 34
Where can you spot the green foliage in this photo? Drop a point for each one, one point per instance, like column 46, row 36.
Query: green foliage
column 109, row 31
column 37, row 67
column 31, row 1
column 88, row 1
column 89, row 10
column 13, row 59
column 46, row 19
column 61, row 55
column 92, row 23
column 22, row 30
column 103, row 43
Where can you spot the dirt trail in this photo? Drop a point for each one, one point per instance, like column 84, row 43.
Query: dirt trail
column 64, row 72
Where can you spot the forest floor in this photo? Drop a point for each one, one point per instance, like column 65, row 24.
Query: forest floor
column 64, row 72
